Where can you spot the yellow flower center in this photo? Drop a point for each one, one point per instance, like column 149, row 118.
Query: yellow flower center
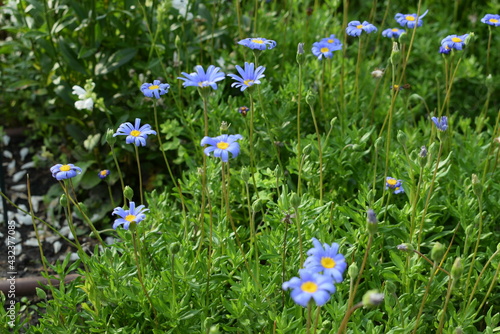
column 410, row 18
column 331, row 40
column 310, row 287
column 456, row 40
column 395, row 87
column 396, row 189
column 222, row 145
column 130, row 218
column 392, row 182
column 247, row 82
column 359, row 26
column 493, row 20
column 103, row 173
column 328, row 262
column 258, row 41
column 153, row 87
column 65, row 168
column 323, row 50
column 135, row 133
column 395, row 30
column 202, row 83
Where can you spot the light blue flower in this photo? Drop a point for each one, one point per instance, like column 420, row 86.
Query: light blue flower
column 441, row 123
column 155, row 89
column 248, row 77
column 136, row 134
column 454, row 41
column 325, row 49
column 202, row 79
column 491, row 19
column 444, row 49
column 331, row 40
column 393, row 33
column 310, row 285
column 258, row 43
column 103, row 173
column 133, row 214
column 61, row 172
column 326, row 259
column 409, row 20
column 355, row 28
column 392, row 183
column 221, row 146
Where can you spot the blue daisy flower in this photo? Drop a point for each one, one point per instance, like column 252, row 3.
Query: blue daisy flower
column 202, row 79
column 103, row 173
column 326, row 259
column 331, row 40
column 221, row 146
column 355, row 28
column 154, row 89
column 310, row 285
column 133, row 214
column 325, row 49
column 409, row 20
column 62, row 172
column 393, row 33
column 491, row 19
column 248, row 77
column 444, row 49
column 392, row 183
column 258, row 43
column 441, row 123
column 136, row 134
column 454, row 41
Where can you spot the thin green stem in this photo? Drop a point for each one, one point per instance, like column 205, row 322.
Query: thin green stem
column 119, row 172
column 479, row 278
column 140, row 173
column 347, row 315
column 358, row 67
column 309, row 316
column 316, row 320
column 488, row 51
column 299, row 147
column 299, row 234
column 320, row 152
column 424, row 298
column 451, row 284
column 250, row 137
column 476, row 247
column 492, row 284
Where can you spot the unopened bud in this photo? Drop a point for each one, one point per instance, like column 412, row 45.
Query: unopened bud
column 423, row 152
column 257, row 205
column 109, row 137
column 224, row 126
column 128, row 193
column 405, row 248
column 174, row 248
column 457, row 269
column 295, row 200
column 395, row 54
column 372, row 298
column 476, row 185
column 372, row 222
column 63, row 200
column 245, row 174
column 401, row 137
column 437, row 252
column 459, row 330
column 353, row 271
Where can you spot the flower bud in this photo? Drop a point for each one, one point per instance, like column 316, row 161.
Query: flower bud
column 457, row 269
column 401, row 137
column 476, row 185
column 295, row 200
column 353, row 271
column 245, row 174
column 224, row 127
column 372, row 222
column 128, row 193
column 257, row 205
column 372, row 298
column 63, row 200
column 437, row 252
column 405, row 248
column 300, row 54
column 395, row 54
column 109, row 137
column 459, row 330
column 423, row 152
column 174, row 248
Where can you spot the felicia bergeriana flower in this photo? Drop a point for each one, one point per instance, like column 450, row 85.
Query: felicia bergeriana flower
column 243, row 110
column 133, row 214
column 154, row 89
column 249, row 76
column 310, row 285
column 202, row 79
column 393, row 33
column 331, row 40
column 454, row 41
column 325, row 258
column 409, row 20
column 221, row 145
column 258, row 43
column 103, row 173
column 355, row 28
column 136, row 134
column 441, row 122
column 444, row 49
column 491, row 19
column 325, row 49
column 395, row 184
column 61, row 172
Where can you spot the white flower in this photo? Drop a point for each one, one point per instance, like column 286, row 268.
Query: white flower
column 85, row 97
column 85, row 104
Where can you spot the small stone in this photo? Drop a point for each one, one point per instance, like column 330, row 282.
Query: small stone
column 18, row 176
column 11, row 167
column 57, row 246
column 7, row 154
column 24, row 219
column 27, row 165
column 74, row 257
column 6, row 140
column 23, row 153
column 35, row 201
column 31, row 242
column 19, row 188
